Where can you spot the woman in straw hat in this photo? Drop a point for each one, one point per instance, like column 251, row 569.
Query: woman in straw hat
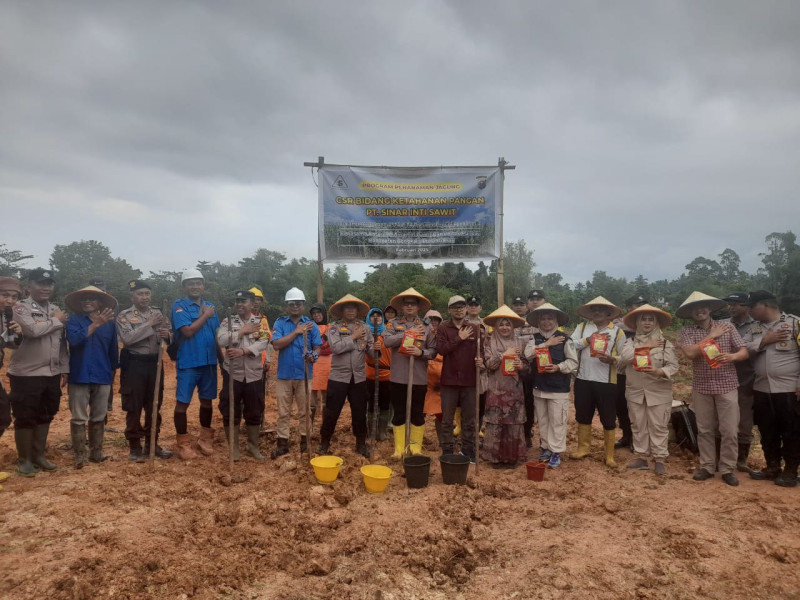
column 713, row 347
column 350, row 340
column 599, row 343
column 383, row 358
column 94, row 356
column 650, row 362
column 554, row 350
column 504, row 441
column 322, row 368
column 409, row 304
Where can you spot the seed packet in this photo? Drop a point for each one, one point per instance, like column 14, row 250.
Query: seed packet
column 543, row 359
column 710, row 351
column 598, row 344
column 410, row 339
column 508, row 362
column 641, row 358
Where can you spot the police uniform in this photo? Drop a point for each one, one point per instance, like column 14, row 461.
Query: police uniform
column 8, row 339
column 35, row 374
column 138, row 368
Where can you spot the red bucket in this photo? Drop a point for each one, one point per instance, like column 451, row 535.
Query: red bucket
column 536, row 470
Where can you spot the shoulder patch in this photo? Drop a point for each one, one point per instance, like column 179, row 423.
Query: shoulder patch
column 20, row 309
column 179, row 309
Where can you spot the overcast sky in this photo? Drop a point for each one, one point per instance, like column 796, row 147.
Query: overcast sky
column 644, row 133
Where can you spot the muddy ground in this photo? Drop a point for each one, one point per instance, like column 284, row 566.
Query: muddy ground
column 123, row 530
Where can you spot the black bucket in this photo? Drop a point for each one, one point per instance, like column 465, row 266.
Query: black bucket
column 418, row 470
column 454, row 468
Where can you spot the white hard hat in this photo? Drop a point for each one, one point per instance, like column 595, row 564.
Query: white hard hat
column 191, row 274
column 294, row 294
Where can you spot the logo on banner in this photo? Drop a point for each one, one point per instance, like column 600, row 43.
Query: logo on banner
column 340, row 183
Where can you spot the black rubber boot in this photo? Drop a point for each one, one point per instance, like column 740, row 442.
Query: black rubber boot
column 324, row 447
column 135, row 454
column 96, row 434
column 383, row 422
column 39, row 444
column 773, row 471
column 361, row 447
column 281, row 448
column 741, row 460
column 303, row 443
column 626, row 441
column 24, row 441
column 78, row 435
column 788, row 478
column 254, row 441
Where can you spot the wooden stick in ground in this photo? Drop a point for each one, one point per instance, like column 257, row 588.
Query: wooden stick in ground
column 154, row 412
column 409, row 390
column 308, row 395
column 477, row 401
column 374, row 436
column 232, row 441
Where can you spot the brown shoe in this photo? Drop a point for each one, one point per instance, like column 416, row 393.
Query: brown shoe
column 184, row 447
column 205, row 443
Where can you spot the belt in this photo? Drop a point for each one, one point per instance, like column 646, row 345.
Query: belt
column 144, row 357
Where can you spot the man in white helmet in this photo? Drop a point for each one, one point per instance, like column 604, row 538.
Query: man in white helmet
column 195, row 322
column 287, row 339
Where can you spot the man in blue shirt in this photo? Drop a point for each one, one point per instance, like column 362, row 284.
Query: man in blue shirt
column 195, row 322
column 94, row 356
column 287, row 339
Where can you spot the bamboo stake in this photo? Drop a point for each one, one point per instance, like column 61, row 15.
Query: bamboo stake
column 154, row 411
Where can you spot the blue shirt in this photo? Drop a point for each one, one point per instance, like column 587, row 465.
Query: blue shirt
column 290, row 359
column 200, row 349
column 92, row 358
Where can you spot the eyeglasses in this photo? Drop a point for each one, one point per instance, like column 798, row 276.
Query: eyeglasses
column 410, row 303
column 295, row 303
column 458, row 306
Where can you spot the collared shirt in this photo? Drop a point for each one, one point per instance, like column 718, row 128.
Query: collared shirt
column 393, row 336
column 591, row 368
column 706, row 380
column 247, row 368
column 8, row 339
column 200, row 349
column 525, row 333
column 290, row 358
column 458, row 356
column 92, row 358
column 43, row 352
column 748, row 330
column 348, row 355
column 777, row 365
column 134, row 332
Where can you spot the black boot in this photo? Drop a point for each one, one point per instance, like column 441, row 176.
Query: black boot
column 254, row 441
column 361, row 447
column 39, row 443
column 24, row 441
column 281, row 448
column 96, row 434
column 78, row 435
column 324, row 447
column 626, row 441
column 135, row 454
column 741, row 460
column 160, row 452
column 303, row 443
column 788, row 478
column 383, row 423
column 772, row 471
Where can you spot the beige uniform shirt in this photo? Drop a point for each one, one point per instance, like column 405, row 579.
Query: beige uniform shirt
column 134, row 332
column 778, row 365
column 348, row 355
column 43, row 352
column 393, row 335
column 641, row 387
column 247, row 368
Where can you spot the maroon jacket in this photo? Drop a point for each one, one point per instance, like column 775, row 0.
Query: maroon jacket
column 458, row 356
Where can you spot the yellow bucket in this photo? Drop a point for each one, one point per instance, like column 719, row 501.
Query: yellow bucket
column 326, row 468
column 376, row 478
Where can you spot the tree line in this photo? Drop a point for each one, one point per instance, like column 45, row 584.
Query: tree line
column 76, row 263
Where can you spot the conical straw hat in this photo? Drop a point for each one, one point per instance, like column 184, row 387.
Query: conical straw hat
column 584, row 310
column 662, row 316
column 397, row 301
column 533, row 316
column 74, row 304
column 684, row 309
column 503, row 313
column 336, row 308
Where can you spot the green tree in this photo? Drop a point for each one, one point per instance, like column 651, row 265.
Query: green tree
column 12, row 261
column 518, row 266
column 730, row 263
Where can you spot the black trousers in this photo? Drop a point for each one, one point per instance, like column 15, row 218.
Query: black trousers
column 5, row 409
column 384, row 395
column 398, row 395
column 335, row 397
column 622, row 406
column 248, row 401
column 137, row 382
column 527, row 394
column 34, row 400
column 593, row 395
column 777, row 417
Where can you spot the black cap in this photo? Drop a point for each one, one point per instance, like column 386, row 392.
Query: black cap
column 244, row 295
column 518, row 300
column 755, row 297
column 474, row 300
column 138, row 284
column 536, row 294
column 39, row 275
column 636, row 300
column 97, row 282
column 738, row 297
